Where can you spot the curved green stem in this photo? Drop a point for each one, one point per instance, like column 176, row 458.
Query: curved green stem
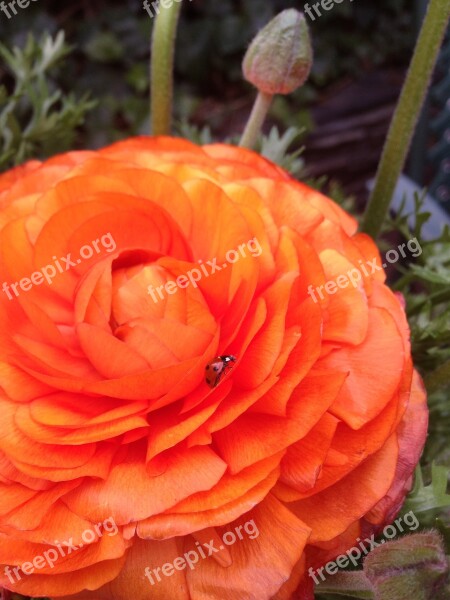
column 407, row 114
column 161, row 69
column 256, row 120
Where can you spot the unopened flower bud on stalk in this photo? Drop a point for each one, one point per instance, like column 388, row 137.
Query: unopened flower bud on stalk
column 280, row 57
column 278, row 61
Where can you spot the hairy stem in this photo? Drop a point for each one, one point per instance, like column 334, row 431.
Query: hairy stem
column 407, row 114
column 161, row 69
column 256, row 120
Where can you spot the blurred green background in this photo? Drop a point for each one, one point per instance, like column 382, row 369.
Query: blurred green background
column 53, row 99
column 111, row 53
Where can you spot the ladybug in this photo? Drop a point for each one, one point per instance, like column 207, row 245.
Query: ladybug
column 215, row 369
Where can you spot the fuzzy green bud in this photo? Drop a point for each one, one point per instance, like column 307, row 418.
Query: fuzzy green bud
column 414, row 566
column 280, row 57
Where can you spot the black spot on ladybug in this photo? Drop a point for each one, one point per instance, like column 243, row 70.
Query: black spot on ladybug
column 220, row 365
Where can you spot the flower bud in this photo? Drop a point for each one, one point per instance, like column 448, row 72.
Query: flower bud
column 411, row 567
column 280, row 57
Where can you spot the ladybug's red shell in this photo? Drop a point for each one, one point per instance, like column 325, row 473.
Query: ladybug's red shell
column 215, row 369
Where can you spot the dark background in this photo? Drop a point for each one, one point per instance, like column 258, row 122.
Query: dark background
column 362, row 50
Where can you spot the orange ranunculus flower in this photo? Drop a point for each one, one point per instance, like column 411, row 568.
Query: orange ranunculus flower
column 119, row 463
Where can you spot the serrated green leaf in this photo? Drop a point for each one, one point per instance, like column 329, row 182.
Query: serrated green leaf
column 37, row 118
column 427, row 498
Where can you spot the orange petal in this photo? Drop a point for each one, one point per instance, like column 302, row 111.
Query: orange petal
column 330, row 512
column 261, row 562
column 181, row 474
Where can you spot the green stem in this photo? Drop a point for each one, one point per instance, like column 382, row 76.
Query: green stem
column 256, row 120
column 161, row 69
column 350, row 583
column 407, row 114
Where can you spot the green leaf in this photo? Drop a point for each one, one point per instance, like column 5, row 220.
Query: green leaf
column 427, row 498
column 276, row 146
column 428, row 274
column 37, row 119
